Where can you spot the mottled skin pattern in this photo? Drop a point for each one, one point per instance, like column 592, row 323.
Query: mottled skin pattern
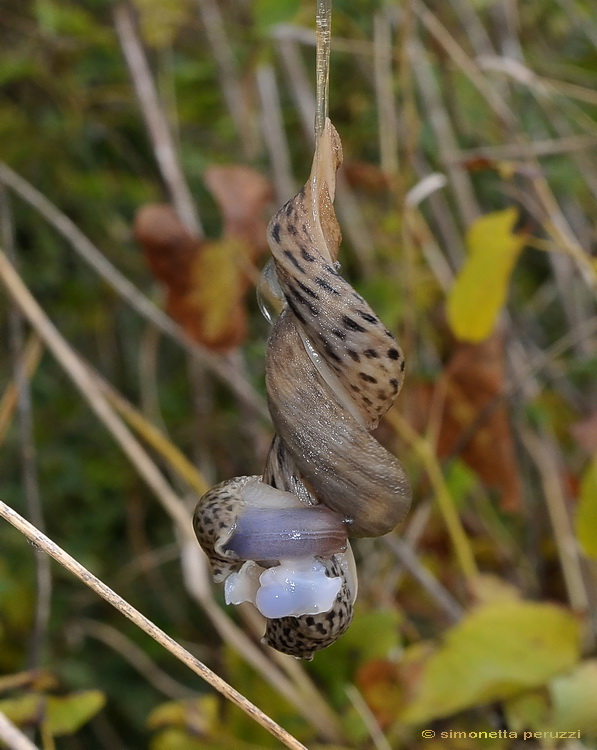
column 332, row 371
column 323, row 405
column 213, row 522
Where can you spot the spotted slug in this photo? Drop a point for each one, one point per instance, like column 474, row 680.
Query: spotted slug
column 332, row 371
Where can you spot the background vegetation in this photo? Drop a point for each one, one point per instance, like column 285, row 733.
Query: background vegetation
column 467, row 206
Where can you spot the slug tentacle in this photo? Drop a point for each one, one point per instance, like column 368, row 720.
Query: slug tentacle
column 332, row 371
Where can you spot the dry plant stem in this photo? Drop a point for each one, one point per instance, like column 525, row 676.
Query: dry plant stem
column 444, row 133
column 468, row 66
column 155, row 438
column 273, row 132
column 155, row 119
column 135, row 656
column 545, row 457
column 567, row 144
column 387, row 124
column 323, row 25
column 438, row 593
column 100, row 588
column 88, row 387
column 424, row 449
column 122, row 286
column 31, row 355
column 13, row 737
column 378, row 738
column 27, row 450
column 232, row 88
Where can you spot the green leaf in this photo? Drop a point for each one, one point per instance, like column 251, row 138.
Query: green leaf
column 573, row 698
column 586, row 513
column 24, row 709
column 479, row 292
column 495, row 652
column 67, row 714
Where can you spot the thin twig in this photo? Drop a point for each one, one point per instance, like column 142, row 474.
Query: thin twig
column 28, row 453
column 147, row 626
column 438, row 593
column 447, row 143
column 378, row 738
column 154, row 437
column 545, row 457
column 387, row 124
column 547, row 147
column 30, row 356
column 273, row 132
column 323, row 33
column 90, row 390
column 122, row 286
column 155, row 119
column 232, row 88
column 424, row 449
column 13, row 737
column 135, row 656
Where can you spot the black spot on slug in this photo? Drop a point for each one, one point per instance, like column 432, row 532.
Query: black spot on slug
column 352, row 325
column 367, row 378
column 371, row 354
column 308, row 291
column 393, row 353
column 276, row 232
column 366, row 316
column 294, row 261
column 292, row 229
column 324, row 285
column 353, row 355
column 296, row 312
column 340, row 334
column 306, row 254
column 394, row 384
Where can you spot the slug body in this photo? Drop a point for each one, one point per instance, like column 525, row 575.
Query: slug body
column 332, row 371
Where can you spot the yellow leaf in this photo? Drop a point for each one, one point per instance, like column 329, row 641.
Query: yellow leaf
column 497, row 651
column 477, row 296
column 586, row 513
column 218, row 284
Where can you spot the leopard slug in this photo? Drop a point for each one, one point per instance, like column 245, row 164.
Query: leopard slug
column 332, row 371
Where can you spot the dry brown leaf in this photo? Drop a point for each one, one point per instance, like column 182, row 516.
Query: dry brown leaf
column 474, row 420
column 365, row 176
column 168, row 246
column 380, row 685
column 206, row 280
column 242, row 194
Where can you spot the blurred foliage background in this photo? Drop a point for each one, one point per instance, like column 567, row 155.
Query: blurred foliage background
column 467, row 205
